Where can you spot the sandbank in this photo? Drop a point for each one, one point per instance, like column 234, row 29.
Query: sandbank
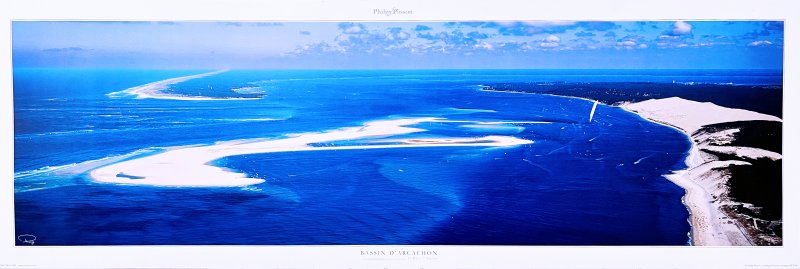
column 190, row 166
column 155, row 90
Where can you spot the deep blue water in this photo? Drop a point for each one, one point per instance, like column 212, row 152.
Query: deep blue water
column 579, row 183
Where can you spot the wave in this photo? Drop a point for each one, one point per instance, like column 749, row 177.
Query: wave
column 81, row 167
column 49, row 177
column 248, row 120
column 248, row 90
column 469, row 110
column 67, row 132
column 494, row 128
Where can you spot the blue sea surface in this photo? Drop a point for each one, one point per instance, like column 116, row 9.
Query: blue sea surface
column 579, row 183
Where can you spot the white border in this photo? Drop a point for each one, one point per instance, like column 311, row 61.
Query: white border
column 448, row 256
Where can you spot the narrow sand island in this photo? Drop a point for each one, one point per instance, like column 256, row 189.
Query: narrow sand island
column 156, row 89
column 703, row 180
column 190, row 166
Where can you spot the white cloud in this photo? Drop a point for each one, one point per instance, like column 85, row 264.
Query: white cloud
column 403, row 35
column 485, row 45
column 626, row 43
column 355, row 29
column 548, row 44
column 642, row 46
column 681, row 28
column 552, row 39
column 760, row 43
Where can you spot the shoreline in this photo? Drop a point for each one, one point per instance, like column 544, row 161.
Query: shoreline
column 710, row 226
column 713, row 218
column 191, row 166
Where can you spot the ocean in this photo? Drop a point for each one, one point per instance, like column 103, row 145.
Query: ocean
column 580, row 182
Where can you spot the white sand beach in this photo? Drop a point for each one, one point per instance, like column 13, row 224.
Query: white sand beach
column 702, row 182
column 155, row 89
column 189, row 166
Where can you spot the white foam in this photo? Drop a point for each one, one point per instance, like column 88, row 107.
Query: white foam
column 77, row 168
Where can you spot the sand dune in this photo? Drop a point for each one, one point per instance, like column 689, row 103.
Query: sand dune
column 690, row 116
column 703, row 180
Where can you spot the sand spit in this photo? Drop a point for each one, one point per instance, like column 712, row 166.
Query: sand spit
column 190, row 166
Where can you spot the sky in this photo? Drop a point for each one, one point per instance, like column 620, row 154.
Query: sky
column 400, row 45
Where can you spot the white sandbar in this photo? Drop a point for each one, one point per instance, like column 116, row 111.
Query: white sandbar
column 155, row 89
column 190, row 166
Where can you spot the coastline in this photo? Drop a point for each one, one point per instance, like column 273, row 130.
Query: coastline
column 701, row 179
column 708, row 225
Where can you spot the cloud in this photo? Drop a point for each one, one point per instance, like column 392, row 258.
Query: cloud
column 681, row 28
column 321, row 48
column 485, row 45
column 397, row 33
column 465, row 23
column 756, row 34
column 642, row 46
column 69, row 49
column 760, row 43
column 550, row 41
column 422, row 28
column 351, row 28
column 529, row 28
column 584, row 34
column 773, row 26
column 455, row 38
column 477, row 35
column 610, row 34
column 305, row 33
column 626, row 43
column 597, row 25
